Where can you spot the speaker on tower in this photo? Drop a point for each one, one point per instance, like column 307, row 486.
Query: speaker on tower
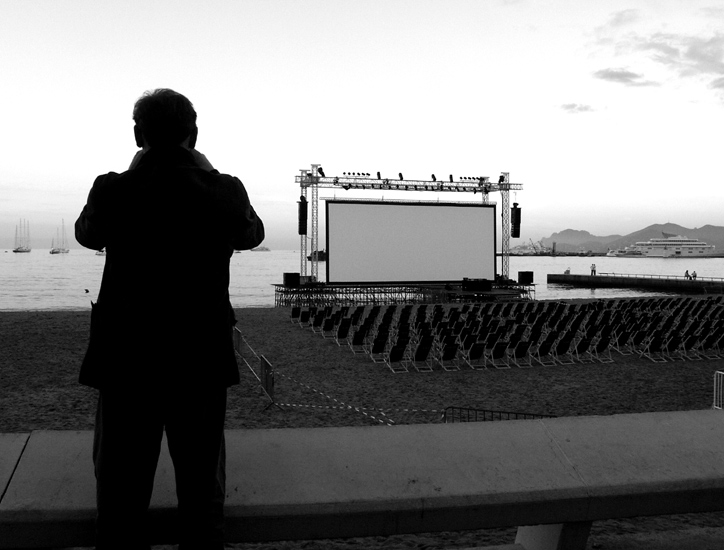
column 302, row 215
column 515, row 221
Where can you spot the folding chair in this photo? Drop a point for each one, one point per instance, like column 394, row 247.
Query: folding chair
column 582, row 351
column 394, row 359
column 498, row 356
column 562, row 351
column 475, row 356
column 654, row 349
column 420, row 358
column 602, row 349
column 448, row 356
column 296, row 311
column 520, row 356
column 343, row 330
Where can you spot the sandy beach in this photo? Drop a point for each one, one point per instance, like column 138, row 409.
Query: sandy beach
column 319, row 383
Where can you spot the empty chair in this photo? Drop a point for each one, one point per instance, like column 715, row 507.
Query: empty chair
column 581, row 351
column 562, row 350
column 519, row 356
column 688, row 348
column 343, row 330
column 601, row 350
column 420, row 358
column 498, row 356
column 654, row 349
column 359, row 339
column 394, row 359
column 379, row 345
column 296, row 311
column 447, row 356
column 475, row 356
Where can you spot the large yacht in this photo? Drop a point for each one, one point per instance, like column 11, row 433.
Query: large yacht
column 674, row 246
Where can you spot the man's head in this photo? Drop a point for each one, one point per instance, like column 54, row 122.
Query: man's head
column 164, row 118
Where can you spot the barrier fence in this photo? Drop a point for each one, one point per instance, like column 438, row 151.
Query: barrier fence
column 465, row 414
column 718, row 390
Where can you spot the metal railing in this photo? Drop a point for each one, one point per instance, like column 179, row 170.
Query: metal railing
column 467, row 414
column 661, row 277
column 718, row 390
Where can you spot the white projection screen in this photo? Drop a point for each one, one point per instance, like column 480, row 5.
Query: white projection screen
column 409, row 242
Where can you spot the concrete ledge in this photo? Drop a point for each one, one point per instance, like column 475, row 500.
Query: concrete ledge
column 344, row 482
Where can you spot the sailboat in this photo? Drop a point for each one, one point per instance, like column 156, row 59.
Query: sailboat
column 60, row 244
column 22, row 237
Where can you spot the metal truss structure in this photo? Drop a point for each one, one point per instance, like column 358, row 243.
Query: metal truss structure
column 310, row 181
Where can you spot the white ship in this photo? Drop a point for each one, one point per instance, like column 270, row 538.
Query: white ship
column 674, row 246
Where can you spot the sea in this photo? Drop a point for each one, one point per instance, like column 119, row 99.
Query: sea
column 42, row 281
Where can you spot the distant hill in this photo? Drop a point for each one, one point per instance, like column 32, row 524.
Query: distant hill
column 572, row 240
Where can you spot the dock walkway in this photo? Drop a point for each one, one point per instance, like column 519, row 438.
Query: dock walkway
column 660, row 283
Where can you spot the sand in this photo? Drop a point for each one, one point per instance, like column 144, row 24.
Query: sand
column 319, row 383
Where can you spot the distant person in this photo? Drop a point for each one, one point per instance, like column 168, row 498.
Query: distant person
column 593, row 269
column 693, row 275
column 567, row 271
column 686, row 274
column 161, row 350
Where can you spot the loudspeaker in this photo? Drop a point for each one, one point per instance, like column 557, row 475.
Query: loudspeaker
column 291, row 280
column 302, row 215
column 515, row 221
column 477, row 285
column 525, row 277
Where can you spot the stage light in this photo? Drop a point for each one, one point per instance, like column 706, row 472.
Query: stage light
column 501, row 179
column 336, row 180
column 434, row 178
column 321, row 172
column 401, row 178
column 378, row 176
column 451, row 178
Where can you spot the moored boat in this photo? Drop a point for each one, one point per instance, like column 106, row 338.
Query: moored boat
column 674, row 246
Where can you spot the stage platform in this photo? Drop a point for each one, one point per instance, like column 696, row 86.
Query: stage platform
column 322, row 294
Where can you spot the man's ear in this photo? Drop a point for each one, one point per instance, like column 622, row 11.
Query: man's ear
column 192, row 137
column 139, row 136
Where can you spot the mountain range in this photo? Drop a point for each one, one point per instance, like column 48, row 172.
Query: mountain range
column 571, row 240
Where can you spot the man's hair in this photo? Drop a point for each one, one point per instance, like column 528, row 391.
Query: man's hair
column 164, row 117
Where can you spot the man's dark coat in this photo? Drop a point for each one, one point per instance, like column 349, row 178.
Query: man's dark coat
column 163, row 314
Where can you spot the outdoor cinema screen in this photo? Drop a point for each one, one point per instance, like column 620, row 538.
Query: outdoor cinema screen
column 406, row 242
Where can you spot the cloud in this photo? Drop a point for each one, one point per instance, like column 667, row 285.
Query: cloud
column 575, row 108
column 623, row 76
column 623, row 17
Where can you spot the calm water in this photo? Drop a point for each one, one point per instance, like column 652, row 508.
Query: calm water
column 41, row 281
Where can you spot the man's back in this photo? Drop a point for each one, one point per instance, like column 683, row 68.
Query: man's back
column 169, row 229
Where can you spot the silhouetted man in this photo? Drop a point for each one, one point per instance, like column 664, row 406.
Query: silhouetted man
column 160, row 349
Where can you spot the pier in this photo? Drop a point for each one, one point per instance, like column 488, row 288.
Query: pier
column 660, row 283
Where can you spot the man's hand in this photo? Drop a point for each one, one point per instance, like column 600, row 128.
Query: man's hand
column 201, row 160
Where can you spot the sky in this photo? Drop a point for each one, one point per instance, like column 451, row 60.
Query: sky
column 608, row 112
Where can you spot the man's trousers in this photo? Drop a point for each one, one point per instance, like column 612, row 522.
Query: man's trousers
column 128, row 435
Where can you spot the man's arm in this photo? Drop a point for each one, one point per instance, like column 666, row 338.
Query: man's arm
column 89, row 227
column 248, row 227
